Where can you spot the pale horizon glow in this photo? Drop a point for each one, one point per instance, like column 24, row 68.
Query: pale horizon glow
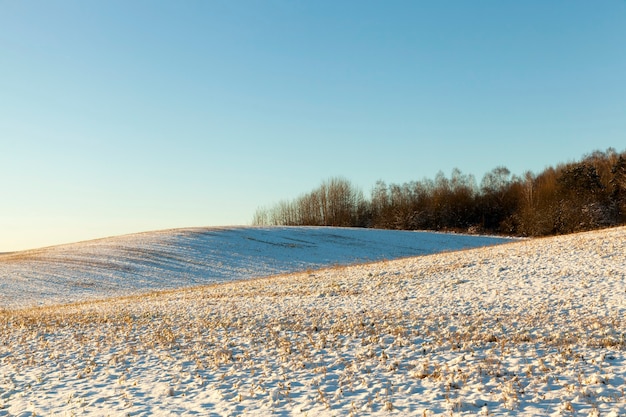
column 122, row 117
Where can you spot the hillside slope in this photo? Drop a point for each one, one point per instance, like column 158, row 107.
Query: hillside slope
column 178, row 258
column 534, row 327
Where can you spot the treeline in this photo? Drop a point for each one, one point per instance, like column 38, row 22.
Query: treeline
column 576, row 196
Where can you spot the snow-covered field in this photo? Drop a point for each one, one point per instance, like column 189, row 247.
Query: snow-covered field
column 168, row 259
column 532, row 327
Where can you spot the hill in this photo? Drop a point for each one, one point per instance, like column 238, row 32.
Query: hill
column 132, row 264
column 533, row 327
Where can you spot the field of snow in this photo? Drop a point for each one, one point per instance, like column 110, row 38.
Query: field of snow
column 531, row 327
column 178, row 258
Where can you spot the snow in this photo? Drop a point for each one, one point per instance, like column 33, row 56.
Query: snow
column 182, row 257
column 530, row 327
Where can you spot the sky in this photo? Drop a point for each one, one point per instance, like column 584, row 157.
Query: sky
column 127, row 116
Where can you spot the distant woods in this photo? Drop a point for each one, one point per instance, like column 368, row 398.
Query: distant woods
column 334, row 203
column 571, row 197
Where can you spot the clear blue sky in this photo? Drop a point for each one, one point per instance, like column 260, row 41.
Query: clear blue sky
column 127, row 116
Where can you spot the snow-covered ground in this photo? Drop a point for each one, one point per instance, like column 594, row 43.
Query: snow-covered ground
column 178, row 258
column 532, row 327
